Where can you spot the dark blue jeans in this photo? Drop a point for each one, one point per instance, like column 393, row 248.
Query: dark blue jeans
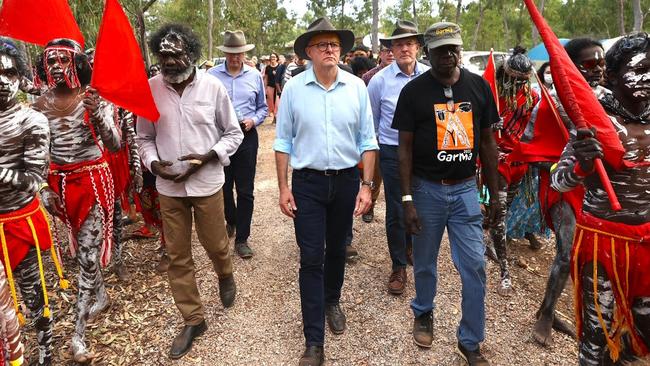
column 395, row 231
column 241, row 174
column 455, row 208
column 325, row 206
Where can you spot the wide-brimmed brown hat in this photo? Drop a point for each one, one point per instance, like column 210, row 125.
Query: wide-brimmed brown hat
column 403, row 29
column 320, row 26
column 235, row 42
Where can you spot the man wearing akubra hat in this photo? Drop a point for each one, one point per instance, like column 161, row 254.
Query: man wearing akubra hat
column 324, row 128
column 384, row 89
column 437, row 163
column 246, row 91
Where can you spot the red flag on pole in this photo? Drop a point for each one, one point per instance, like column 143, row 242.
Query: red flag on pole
column 38, row 21
column 119, row 73
column 490, row 75
column 576, row 95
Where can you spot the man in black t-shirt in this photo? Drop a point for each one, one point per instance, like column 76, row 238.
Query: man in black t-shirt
column 444, row 118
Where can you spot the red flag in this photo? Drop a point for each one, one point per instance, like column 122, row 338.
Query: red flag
column 490, row 75
column 119, row 73
column 580, row 103
column 38, row 21
column 576, row 95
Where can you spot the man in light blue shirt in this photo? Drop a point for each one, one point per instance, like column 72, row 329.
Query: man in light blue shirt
column 384, row 89
column 324, row 127
column 246, row 91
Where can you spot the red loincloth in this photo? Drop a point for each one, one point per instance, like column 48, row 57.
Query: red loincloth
column 18, row 234
column 120, row 170
column 549, row 197
column 81, row 186
column 624, row 252
column 512, row 172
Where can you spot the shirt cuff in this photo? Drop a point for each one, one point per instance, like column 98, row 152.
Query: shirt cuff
column 148, row 160
column 370, row 144
column 282, row 146
column 224, row 159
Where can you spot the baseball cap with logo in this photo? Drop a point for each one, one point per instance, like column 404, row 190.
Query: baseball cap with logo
column 442, row 34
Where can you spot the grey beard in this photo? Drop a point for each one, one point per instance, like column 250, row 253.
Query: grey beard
column 179, row 78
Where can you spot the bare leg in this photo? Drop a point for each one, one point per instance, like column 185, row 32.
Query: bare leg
column 90, row 281
column 118, row 262
column 29, row 281
column 506, row 195
column 593, row 345
column 564, row 222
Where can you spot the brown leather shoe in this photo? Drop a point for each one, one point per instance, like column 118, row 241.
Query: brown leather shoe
column 397, row 281
column 313, row 356
column 423, row 330
column 227, row 291
column 335, row 318
column 473, row 358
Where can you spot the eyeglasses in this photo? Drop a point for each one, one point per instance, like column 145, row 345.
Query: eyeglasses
column 592, row 63
column 323, row 46
column 449, row 94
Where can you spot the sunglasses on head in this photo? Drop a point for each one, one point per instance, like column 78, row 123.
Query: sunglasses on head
column 636, row 41
column 449, row 94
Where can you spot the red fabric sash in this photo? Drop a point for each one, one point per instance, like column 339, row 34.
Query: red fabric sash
column 19, row 235
column 81, row 186
column 624, row 252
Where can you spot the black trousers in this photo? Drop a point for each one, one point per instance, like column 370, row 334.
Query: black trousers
column 241, row 174
column 325, row 206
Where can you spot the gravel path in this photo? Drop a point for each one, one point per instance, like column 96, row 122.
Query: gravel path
column 264, row 327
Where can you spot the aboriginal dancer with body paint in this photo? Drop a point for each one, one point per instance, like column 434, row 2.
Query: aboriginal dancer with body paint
column 80, row 190
column 24, row 227
column 516, row 102
column 611, row 251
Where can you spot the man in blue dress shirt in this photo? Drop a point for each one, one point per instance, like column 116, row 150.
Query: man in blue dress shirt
column 384, row 89
column 246, row 91
column 324, row 128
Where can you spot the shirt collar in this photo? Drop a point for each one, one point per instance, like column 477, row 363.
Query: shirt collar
column 395, row 70
column 222, row 68
column 341, row 77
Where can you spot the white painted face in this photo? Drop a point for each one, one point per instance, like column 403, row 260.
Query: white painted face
column 637, row 75
column 9, row 79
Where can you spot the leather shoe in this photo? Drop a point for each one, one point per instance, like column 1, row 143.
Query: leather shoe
column 423, row 330
column 335, row 318
column 227, row 291
column 313, row 356
column 397, row 281
column 182, row 344
column 370, row 215
column 473, row 358
column 244, row 250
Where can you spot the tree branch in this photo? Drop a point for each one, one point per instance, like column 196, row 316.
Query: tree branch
column 148, row 5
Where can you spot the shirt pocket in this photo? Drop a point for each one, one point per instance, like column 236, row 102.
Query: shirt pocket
column 203, row 113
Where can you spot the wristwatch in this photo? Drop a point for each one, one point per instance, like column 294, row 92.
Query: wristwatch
column 368, row 183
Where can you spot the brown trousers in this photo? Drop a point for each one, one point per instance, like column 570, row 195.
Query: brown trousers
column 209, row 218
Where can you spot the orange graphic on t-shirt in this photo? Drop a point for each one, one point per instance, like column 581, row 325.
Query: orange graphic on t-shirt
column 455, row 126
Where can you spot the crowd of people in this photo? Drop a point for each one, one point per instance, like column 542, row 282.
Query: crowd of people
column 453, row 152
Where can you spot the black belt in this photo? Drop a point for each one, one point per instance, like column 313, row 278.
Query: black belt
column 451, row 182
column 328, row 172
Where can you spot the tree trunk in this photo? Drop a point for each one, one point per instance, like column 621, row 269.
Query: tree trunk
column 210, row 27
column 638, row 15
column 621, row 17
column 535, row 34
column 459, row 7
column 375, row 27
column 477, row 29
column 142, row 37
column 415, row 14
column 506, row 33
